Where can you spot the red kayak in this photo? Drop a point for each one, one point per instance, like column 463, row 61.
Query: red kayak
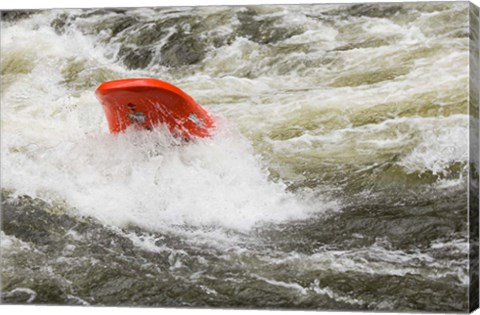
column 149, row 102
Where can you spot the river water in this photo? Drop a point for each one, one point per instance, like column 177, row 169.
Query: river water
column 336, row 177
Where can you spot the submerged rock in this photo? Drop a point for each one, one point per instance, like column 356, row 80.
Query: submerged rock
column 182, row 49
column 373, row 10
column 263, row 30
column 376, row 10
column 60, row 23
column 16, row 15
column 135, row 57
column 164, row 40
column 116, row 24
column 100, row 12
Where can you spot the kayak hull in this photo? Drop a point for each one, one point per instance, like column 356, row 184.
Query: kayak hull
column 146, row 102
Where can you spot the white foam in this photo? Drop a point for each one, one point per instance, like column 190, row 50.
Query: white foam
column 295, row 286
column 142, row 178
column 312, row 288
column 31, row 298
column 11, row 243
column 443, row 141
column 379, row 259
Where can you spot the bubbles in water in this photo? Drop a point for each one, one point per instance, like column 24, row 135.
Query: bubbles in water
column 151, row 180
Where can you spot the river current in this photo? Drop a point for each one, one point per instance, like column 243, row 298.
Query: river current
column 337, row 176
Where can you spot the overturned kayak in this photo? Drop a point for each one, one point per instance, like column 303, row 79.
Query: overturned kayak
column 146, row 102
